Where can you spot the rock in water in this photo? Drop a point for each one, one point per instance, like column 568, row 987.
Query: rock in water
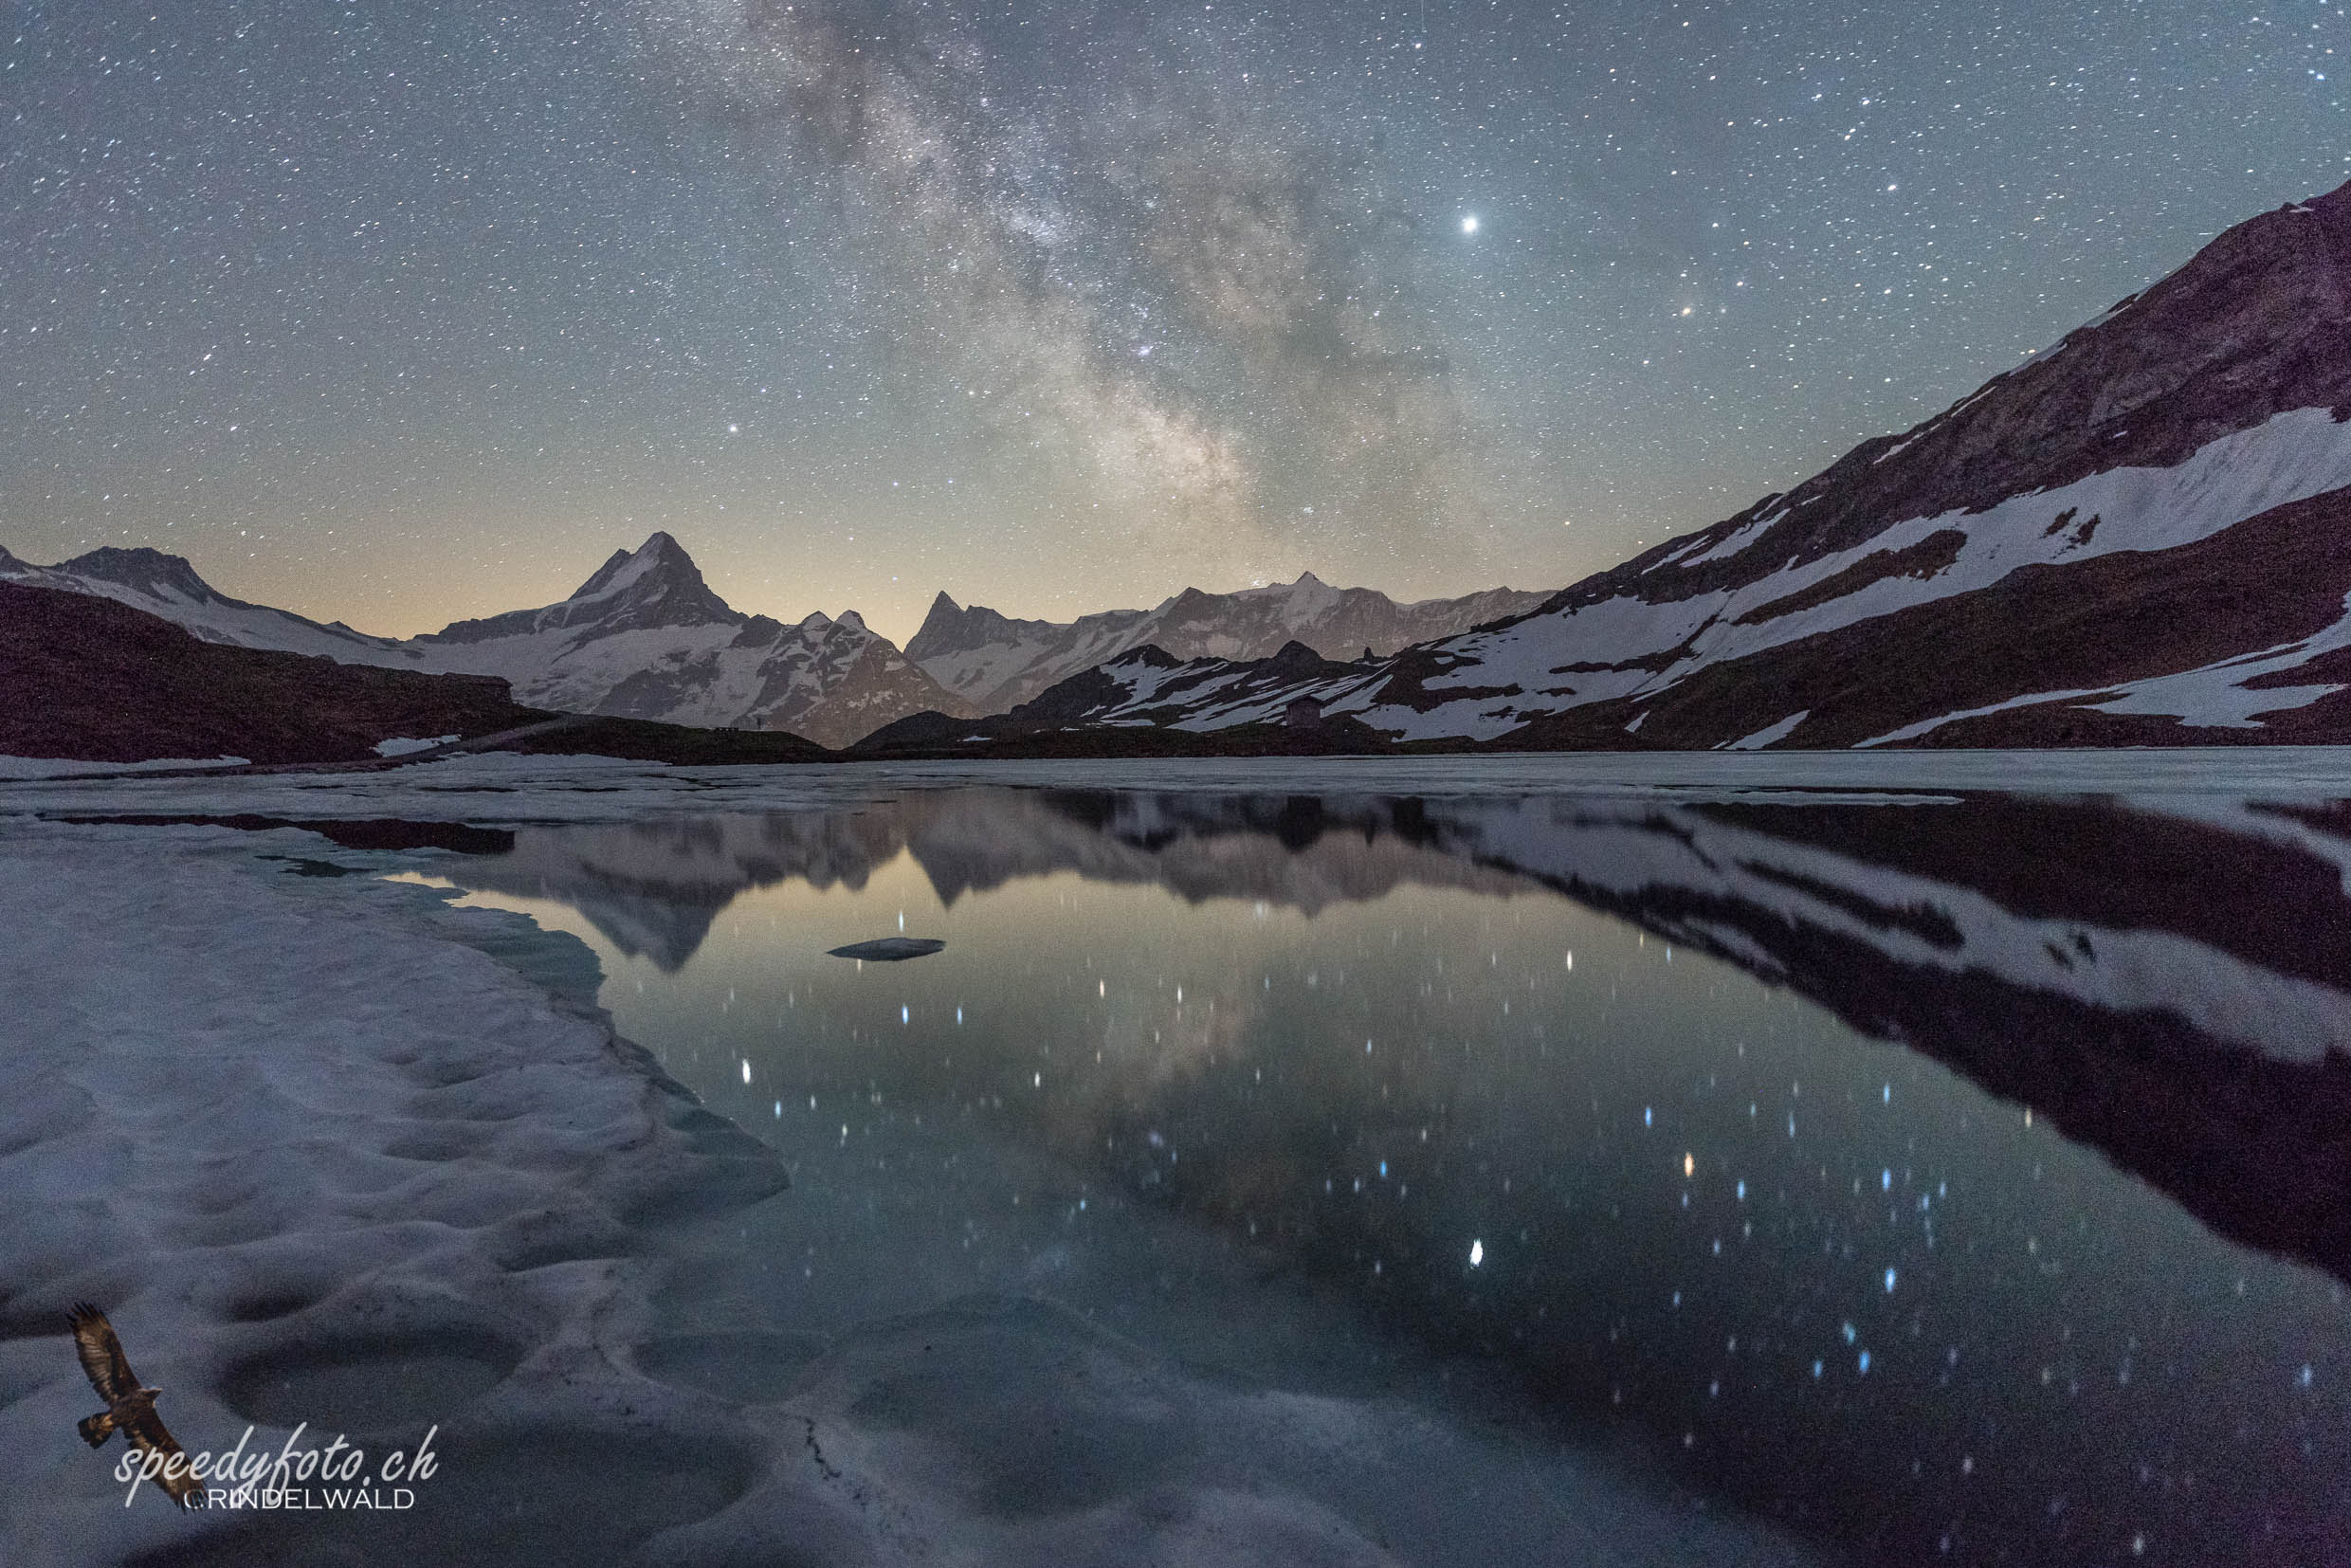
column 889, row 949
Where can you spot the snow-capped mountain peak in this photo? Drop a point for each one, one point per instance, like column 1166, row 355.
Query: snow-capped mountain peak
column 659, row 571
column 647, row 638
column 657, row 585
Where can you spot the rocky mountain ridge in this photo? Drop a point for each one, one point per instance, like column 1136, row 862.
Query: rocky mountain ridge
column 994, row 662
column 643, row 637
column 646, row 637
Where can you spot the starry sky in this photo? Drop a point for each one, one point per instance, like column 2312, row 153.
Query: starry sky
column 397, row 313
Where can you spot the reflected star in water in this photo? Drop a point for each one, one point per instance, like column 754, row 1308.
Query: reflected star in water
column 1089, row 1073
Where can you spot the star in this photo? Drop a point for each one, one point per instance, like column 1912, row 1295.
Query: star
column 1469, row 223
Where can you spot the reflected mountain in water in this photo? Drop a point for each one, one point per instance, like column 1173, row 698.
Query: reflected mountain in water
column 2167, row 979
column 653, row 888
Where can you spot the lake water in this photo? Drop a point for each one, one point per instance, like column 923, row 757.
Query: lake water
column 1961, row 1175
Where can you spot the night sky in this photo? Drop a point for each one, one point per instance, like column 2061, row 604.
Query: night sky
column 396, row 312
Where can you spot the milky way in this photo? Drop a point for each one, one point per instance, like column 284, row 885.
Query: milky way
column 1184, row 303
column 399, row 313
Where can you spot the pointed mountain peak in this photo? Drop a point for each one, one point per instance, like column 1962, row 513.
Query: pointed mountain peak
column 660, row 560
column 815, row 622
column 1306, row 578
column 937, row 633
column 952, row 628
column 655, row 585
column 851, row 619
column 662, row 549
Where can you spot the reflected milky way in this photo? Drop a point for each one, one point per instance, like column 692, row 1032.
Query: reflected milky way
column 1570, row 1086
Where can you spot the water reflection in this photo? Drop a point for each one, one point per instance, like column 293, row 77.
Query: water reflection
column 1574, row 1086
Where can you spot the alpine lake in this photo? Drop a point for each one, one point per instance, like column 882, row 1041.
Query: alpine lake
column 1934, row 1174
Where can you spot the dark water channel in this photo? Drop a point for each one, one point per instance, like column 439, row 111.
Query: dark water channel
column 1967, row 1177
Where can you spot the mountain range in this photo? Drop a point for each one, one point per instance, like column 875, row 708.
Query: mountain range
column 995, row 663
column 644, row 637
column 2140, row 536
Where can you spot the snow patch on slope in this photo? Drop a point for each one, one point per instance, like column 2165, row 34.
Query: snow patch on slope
column 2213, row 696
column 1770, row 734
column 1928, row 726
column 2290, row 457
column 1739, row 539
column 402, row 745
column 2216, row 695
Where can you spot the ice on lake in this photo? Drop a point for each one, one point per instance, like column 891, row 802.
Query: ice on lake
column 887, row 949
column 1532, row 1175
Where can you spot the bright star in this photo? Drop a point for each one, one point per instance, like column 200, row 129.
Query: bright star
column 1470, row 224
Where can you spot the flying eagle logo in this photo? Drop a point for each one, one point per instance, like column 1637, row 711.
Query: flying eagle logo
column 130, row 1404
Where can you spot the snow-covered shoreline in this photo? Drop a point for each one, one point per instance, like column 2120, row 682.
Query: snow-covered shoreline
column 274, row 1120
column 503, row 788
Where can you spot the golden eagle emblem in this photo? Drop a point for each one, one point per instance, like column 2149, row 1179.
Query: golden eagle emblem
column 130, row 1405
